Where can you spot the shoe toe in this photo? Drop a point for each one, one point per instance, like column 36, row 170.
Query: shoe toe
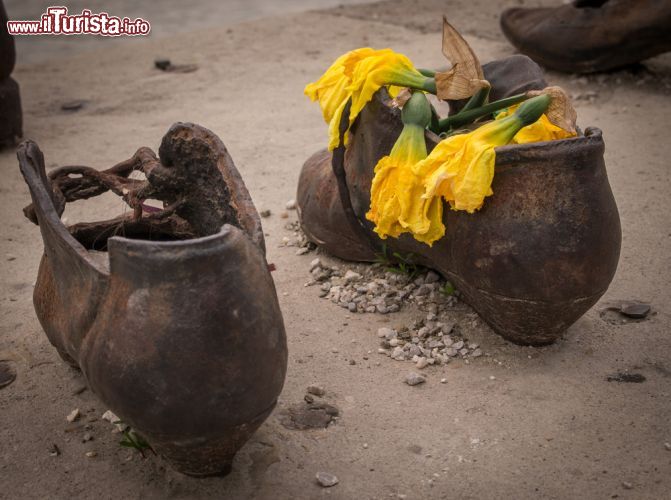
column 511, row 21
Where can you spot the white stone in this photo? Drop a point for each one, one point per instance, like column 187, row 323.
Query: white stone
column 326, row 479
column 351, row 276
column 74, row 415
column 384, row 332
column 414, row 379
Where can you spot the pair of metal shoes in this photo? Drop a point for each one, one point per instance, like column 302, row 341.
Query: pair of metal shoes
column 172, row 315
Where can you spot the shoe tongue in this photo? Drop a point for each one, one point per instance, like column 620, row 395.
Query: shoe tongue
column 595, row 4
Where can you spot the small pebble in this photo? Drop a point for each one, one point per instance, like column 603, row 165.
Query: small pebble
column 326, row 479
column 74, row 415
column 422, row 363
column 667, row 446
column 492, row 377
column 290, row 205
column 113, row 419
column 414, row 379
column 351, row 276
column 265, row 213
column 162, row 63
column 443, row 381
column 87, row 437
column 635, row 311
column 73, row 105
column 384, row 332
column 431, row 277
column 627, row 485
column 317, row 390
column 91, row 454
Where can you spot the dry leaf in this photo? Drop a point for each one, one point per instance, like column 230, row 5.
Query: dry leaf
column 465, row 77
column 401, row 98
column 560, row 112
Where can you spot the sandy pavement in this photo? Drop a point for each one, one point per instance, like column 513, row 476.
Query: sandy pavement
column 519, row 423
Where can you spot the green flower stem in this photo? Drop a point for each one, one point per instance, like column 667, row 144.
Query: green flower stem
column 433, row 125
column 427, row 72
column 415, row 82
column 465, row 117
column 477, row 100
column 429, row 86
column 532, row 110
column 525, row 115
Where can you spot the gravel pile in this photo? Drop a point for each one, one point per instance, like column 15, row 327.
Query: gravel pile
column 426, row 342
column 375, row 289
column 379, row 288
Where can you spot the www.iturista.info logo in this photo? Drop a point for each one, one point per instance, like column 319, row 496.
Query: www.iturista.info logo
column 56, row 21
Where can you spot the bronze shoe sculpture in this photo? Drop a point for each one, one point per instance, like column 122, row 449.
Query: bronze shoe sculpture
column 535, row 258
column 590, row 35
column 11, row 117
column 170, row 312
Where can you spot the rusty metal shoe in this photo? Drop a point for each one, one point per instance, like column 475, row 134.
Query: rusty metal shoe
column 590, row 35
column 533, row 260
column 170, row 312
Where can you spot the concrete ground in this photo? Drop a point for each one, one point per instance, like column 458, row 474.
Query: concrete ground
column 519, row 423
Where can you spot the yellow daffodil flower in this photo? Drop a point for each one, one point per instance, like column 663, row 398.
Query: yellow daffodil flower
column 460, row 168
column 409, row 186
column 358, row 75
column 397, row 205
column 541, row 130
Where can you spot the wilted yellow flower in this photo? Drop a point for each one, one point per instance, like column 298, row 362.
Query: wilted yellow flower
column 331, row 90
column 358, row 75
column 461, row 167
column 541, row 130
column 396, row 204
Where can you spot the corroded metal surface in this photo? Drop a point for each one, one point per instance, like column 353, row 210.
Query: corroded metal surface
column 180, row 333
column 535, row 258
